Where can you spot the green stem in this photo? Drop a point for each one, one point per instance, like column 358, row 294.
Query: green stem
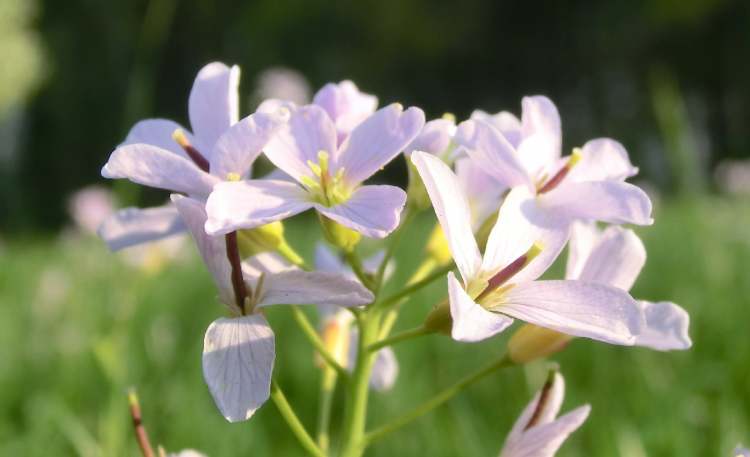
column 359, row 270
column 355, row 414
column 410, row 289
column 392, row 315
column 293, row 421
column 327, row 390
column 437, row 400
column 409, row 215
column 399, row 337
column 314, row 339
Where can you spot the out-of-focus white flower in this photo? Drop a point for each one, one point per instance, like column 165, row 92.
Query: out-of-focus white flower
column 89, row 207
column 284, row 84
column 502, row 284
column 733, row 176
column 239, row 351
column 538, row 432
column 740, row 451
column 187, row 453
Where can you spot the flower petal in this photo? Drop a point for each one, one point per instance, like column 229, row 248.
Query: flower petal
column 545, row 440
column 345, row 104
column 156, row 167
column 471, row 322
column 616, row 260
column 157, row 132
column 584, row 236
column 434, row 138
column 327, row 260
column 308, row 131
column 492, row 152
column 666, row 327
column 252, row 203
column 297, row 287
column 131, row 226
column 213, row 105
column 607, row 201
column 482, row 191
column 377, row 140
column 575, row 308
column 553, row 401
column 374, row 211
column 213, row 249
column 239, row 146
column 603, row 159
column 452, row 211
column 238, row 356
column 384, row 370
column 540, row 118
column 520, row 224
column 507, row 123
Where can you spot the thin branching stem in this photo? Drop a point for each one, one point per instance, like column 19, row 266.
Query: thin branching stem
column 314, row 339
column 286, row 411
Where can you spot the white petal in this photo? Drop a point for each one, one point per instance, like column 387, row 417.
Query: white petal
column 507, row 123
column 377, row 140
column 540, row 124
column 471, row 322
column 666, row 327
column 607, row 201
column 213, row 104
column 435, row 137
column 492, row 152
column 545, row 440
column 252, row 203
column 213, row 249
column 297, row 287
column 576, row 308
column 156, row 167
column 553, row 402
column 520, row 224
column 616, row 260
column 157, row 132
column 483, row 192
column 327, row 260
column 345, row 104
column 131, row 226
column 374, row 211
column 265, row 262
column 238, row 356
column 452, row 211
column 584, row 236
column 308, row 131
column 384, row 370
column 603, row 159
column 239, row 146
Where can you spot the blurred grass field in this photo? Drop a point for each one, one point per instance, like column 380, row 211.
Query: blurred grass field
column 78, row 327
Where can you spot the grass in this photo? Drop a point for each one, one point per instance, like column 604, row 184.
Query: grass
column 78, row 326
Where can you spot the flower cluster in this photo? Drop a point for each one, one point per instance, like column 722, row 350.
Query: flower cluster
column 507, row 203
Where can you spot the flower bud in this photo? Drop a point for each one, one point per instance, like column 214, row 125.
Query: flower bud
column 437, row 246
column 260, row 239
column 416, row 191
column 336, row 337
column 439, row 320
column 338, row 235
column 532, row 342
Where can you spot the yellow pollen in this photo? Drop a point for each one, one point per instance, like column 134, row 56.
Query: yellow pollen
column 233, row 176
column 449, row 117
column 179, row 136
column 575, row 157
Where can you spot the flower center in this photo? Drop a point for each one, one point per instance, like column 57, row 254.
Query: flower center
column 327, row 189
column 497, row 283
column 179, row 136
column 555, row 180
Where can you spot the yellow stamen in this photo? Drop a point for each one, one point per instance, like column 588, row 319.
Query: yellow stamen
column 233, row 176
column 449, row 117
column 179, row 136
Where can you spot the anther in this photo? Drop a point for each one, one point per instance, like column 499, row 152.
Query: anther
column 179, row 136
column 575, row 157
column 541, row 404
column 509, row 271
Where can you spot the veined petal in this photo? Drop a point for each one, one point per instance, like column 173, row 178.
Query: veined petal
column 545, row 440
column 616, row 260
column 238, row 356
column 157, row 132
column 553, row 401
column 377, row 140
column 252, row 203
column 584, row 236
column 373, row 211
column 452, row 211
column 492, row 152
column 520, row 224
column 239, row 146
column 603, row 159
column 507, row 123
column 540, row 118
column 213, row 249
column 471, row 322
column 297, row 287
column 384, row 370
column 213, row 105
column 434, row 138
column 345, row 104
column 483, row 192
column 155, row 167
column 308, row 131
column 131, row 226
column 666, row 327
column 576, row 308
column 607, row 201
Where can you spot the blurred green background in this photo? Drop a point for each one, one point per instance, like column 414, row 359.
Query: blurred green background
column 78, row 325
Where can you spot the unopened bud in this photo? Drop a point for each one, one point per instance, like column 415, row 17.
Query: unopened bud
column 338, row 235
column 532, row 342
column 439, row 319
column 437, row 246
